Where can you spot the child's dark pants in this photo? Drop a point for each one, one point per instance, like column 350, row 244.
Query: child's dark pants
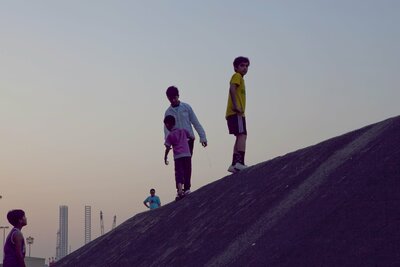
column 183, row 172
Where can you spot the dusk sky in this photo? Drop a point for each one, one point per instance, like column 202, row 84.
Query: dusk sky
column 82, row 94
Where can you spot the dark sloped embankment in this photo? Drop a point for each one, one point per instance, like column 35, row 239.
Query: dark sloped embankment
column 336, row 203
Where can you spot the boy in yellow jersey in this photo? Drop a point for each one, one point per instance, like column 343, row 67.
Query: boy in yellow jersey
column 235, row 113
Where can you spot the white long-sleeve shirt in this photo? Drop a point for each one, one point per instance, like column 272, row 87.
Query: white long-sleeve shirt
column 185, row 118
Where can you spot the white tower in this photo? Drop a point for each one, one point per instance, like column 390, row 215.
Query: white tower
column 63, row 233
column 88, row 224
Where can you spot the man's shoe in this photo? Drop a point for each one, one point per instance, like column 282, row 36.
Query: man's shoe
column 239, row 166
column 232, row 169
column 186, row 192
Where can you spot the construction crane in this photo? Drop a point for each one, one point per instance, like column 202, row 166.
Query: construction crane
column 101, row 223
column 114, row 222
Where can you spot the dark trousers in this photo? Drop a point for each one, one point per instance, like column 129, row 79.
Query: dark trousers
column 183, row 172
column 191, row 145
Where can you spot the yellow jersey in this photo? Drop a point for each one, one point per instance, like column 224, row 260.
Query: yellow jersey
column 240, row 95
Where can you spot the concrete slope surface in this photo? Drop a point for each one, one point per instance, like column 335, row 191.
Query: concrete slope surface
column 336, row 203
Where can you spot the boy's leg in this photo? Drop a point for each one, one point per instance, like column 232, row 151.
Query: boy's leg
column 180, row 193
column 240, row 148
column 187, row 173
column 179, row 174
column 237, row 127
column 179, row 186
column 235, row 155
column 232, row 122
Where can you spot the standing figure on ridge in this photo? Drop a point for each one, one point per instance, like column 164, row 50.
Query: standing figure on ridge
column 177, row 138
column 153, row 200
column 184, row 119
column 235, row 113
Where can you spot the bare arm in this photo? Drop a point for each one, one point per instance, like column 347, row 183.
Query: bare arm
column 232, row 91
column 145, row 203
column 167, row 149
column 19, row 240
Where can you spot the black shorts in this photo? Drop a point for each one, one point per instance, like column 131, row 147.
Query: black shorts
column 236, row 124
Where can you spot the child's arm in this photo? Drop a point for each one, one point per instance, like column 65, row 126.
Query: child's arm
column 167, row 149
column 196, row 124
column 232, row 92
column 145, row 203
column 19, row 240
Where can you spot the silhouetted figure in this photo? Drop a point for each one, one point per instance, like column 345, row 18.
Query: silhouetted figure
column 14, row 248
column 184, row 119
column 152, row 201
column 235, row 113
column 177, row 138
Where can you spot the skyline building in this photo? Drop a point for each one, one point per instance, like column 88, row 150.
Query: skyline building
column 88, row 224
column 62, row 234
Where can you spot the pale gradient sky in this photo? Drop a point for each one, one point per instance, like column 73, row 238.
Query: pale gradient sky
column 82, row 94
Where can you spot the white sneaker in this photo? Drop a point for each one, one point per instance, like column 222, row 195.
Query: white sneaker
column 187, row 192
column 239, row 166
column 232, row 169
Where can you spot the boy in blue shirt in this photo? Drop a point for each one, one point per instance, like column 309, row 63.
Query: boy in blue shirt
column 185, row 118
column 153, row 200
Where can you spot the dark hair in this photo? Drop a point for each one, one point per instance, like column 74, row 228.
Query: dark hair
column 13, row 216
column 172, row 91
column 170, row 120
column 153, row 190
column 240, row 60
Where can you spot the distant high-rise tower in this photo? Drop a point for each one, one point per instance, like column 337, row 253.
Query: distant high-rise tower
column 101, row 223
column 88, row 224
column 62, row 250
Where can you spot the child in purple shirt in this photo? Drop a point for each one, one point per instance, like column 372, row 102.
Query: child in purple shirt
column 178, row 139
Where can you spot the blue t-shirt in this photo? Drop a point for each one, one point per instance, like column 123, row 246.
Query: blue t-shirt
column 154, row 202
